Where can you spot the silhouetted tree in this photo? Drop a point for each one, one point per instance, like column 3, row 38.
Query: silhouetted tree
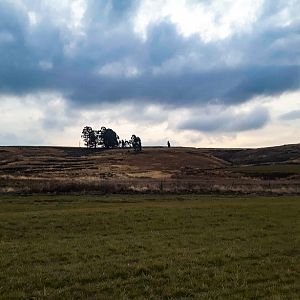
column 136, row 143
column 90, row 137
column 139, row 144
column 108, row 138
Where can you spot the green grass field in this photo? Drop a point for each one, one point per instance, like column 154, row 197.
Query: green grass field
column 283, row 169
column 149, row 247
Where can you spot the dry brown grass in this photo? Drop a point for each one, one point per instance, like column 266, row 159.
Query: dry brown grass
column 175, row 170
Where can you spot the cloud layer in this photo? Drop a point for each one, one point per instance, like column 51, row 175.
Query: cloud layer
column 92, row 53
column 226, row 121
column 178, row 54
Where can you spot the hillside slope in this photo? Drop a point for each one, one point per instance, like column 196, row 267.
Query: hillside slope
column 71, row 162
column 279, row 154
column 63, row 169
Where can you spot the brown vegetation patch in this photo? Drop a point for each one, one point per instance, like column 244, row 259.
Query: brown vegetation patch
column 55, row 169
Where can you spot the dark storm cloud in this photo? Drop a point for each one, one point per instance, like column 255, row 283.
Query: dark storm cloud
column 170, row 69
column 227, row 121
column 19, row 69
column 224, row 86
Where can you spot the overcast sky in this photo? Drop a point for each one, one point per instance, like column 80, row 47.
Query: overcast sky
column 204, row 73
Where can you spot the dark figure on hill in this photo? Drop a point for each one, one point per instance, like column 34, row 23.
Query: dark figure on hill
column 169, row 145
column 123, row 144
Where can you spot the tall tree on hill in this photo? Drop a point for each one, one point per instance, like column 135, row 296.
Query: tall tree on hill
column 108, row 138
column 90, row 137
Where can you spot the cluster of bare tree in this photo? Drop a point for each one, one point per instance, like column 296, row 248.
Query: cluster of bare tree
column 107, row 138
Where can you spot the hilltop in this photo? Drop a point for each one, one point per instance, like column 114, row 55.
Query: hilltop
column 67, row 169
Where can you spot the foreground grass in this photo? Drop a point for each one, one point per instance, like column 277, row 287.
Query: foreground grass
column 159, row 247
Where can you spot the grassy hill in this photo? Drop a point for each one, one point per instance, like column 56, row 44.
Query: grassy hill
column 155, row 169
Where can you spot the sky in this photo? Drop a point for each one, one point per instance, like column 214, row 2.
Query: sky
column 200, row 73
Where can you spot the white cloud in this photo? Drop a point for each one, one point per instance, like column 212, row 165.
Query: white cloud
column 78, row 9
column 211, row 20
column 34, row 119
column 33, row 18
